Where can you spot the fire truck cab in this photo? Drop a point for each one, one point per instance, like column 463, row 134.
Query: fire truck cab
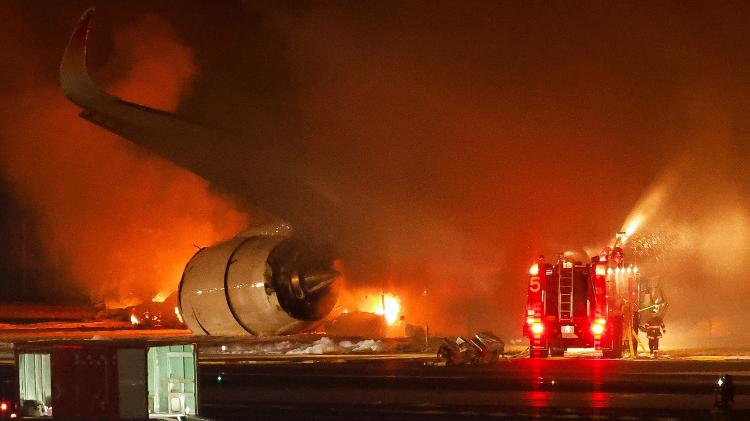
column 581, row 305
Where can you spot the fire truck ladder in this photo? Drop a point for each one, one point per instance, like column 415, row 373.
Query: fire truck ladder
column 565, row 303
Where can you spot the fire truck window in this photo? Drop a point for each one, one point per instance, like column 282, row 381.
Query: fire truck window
column 35, row 385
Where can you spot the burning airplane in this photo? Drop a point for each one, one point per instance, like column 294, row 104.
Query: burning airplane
column 268, row 281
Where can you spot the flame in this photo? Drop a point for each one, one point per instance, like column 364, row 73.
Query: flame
column 177, row 313
column 159, row 297
column 134, row 320
column 392, row 308
column 368, row 301
column 140, row 245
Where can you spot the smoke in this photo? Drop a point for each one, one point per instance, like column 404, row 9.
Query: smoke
column 464, row 142
column 461, row 146
column 458, row 142
column 116, row 222
column 692, row 234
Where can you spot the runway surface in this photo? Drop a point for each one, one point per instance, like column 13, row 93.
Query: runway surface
column 570, row 388
column 412, row 387
column 252, row 378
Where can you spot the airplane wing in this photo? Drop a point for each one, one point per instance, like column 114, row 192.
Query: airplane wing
column 259, row 182
column 142, row 125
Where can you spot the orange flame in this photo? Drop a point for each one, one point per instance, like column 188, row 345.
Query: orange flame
column 177, row 313
column 159, row 297
column 390, row 308
column 386, row 305
column 134, row 239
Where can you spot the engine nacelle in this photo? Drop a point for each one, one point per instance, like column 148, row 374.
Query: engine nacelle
column 265, row 284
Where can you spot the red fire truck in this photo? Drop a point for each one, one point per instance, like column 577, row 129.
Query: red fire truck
column 581, row 305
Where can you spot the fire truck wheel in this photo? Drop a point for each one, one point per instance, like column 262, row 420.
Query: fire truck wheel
column 612, row 353
column 556, row 347
column 616, row 351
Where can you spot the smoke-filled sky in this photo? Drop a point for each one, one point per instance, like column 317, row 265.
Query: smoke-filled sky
column 459, row 140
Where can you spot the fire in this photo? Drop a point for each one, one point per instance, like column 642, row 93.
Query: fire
column 386, row 304
column 138, row 244
column 159, row 297
column 134, row 320
column 177, row 313
column 389, row 307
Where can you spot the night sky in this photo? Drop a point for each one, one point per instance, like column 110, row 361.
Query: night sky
column 458, row 140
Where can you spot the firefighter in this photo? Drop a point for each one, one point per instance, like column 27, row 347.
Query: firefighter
column 618, row 255
column 654, row 330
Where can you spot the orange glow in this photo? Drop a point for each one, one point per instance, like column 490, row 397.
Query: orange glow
column 134, row 320
column 135, row 240
column 392, row 308
column 601, row 270
column 373, row 302
column 534, row 270
column 160, row 297
column 177, row 313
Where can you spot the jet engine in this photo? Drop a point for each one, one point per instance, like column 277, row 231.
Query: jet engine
column 258, row 284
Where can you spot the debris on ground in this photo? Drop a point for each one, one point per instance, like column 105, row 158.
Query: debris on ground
column 482, row 348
